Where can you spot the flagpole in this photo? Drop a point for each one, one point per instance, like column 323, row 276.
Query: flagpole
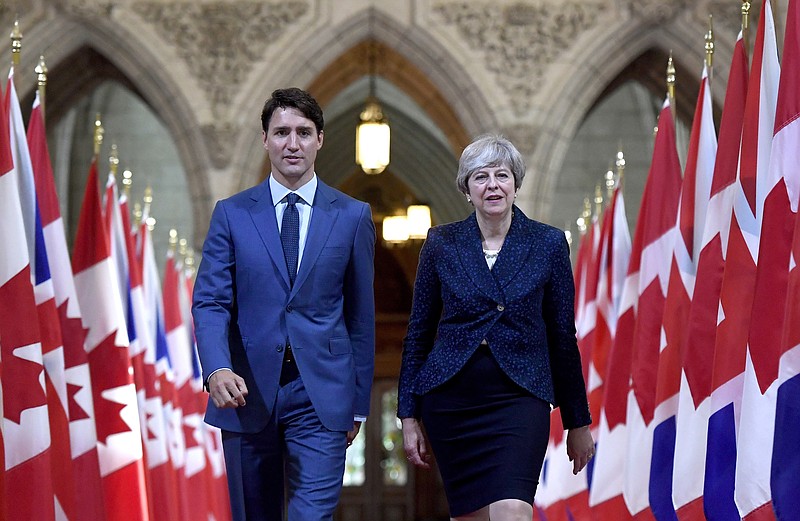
column 610, row 184
column 113, row 160
column 41, row 83
column 137, row 214
column 671, row 84
column 98, row 135
column 148, row 200
column 127, row 181
column 746, row 24
column 585, row 215
column 189, row 263
column 173, row 240
column 16, row 43
column 598, row 201
column 620, row 163
column 709, row 38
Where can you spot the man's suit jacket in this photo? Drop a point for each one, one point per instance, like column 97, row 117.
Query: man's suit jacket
column 245, row 309
column 523, row 307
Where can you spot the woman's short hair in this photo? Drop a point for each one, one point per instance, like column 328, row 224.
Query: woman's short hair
column 489, row 150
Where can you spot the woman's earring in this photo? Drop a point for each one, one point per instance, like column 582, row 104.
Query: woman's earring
column 469, row 199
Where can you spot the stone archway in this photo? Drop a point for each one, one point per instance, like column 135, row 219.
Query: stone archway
column 415, row 62
column 81, row 52
column 572, row 96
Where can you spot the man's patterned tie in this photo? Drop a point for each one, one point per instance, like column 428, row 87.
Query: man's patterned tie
column 290, row 234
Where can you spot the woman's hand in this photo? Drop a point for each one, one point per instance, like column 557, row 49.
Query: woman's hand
column 580, row 447
column 414, row 443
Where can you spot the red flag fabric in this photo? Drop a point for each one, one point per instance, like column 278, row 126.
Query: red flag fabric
column 654, row 238
column 762, row 191
column 561, row 493
column 81, row 439
column 173, row 414
column 162, row 491
column 118, row 430
column 63, row 477
column 218, row 502
column 25, row 421
column 179, row 354
column 785, row 461
column 586, row 291
column 605, row 496
column 698, row 359
column 681, row 441
column 198, row 472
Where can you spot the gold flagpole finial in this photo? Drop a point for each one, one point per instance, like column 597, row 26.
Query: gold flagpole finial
column 98, row 135
column 127, row 181
column 183, row 246
column 598, row 200
column 746, row 14
column 746, row 23
column 41, row 80
column 188, row 262
column 150, row 221
column 709, row 38
column 113, row 160
column 620, row 167
column 173, row 240
column 16, row 43
column 137, row 214
column 586, row 214
column 611, row 183
column 671, row 78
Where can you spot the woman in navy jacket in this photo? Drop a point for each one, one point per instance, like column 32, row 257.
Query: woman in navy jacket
column 491, row 345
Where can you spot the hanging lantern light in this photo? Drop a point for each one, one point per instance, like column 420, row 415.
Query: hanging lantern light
column 372, row 138
column 395, row 229
column 372, row 132
column 419, row 221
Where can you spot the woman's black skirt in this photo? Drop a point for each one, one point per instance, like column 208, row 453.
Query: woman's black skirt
column 488, row 435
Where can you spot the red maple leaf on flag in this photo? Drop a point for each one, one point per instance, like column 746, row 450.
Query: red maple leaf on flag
column 76, row 412
column 107, row 366
column 188, row 400
column 19, row 373
column 148, row 432
column 190, row 434
column 73, row 335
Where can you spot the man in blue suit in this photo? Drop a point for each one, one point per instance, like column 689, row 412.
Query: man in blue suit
column 285, row 323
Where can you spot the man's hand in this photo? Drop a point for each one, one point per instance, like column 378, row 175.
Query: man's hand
column 351, row 435
column 227, row 389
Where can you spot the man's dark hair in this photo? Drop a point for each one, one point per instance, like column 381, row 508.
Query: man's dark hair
column 293, row 98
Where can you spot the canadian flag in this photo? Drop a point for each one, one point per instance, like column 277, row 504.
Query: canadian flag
column 185, row 408
column 117, row 417
column 80, row 440
column 173, row 414
column 161, row 482
column 50, row 327
column 216, row 481
column 25, row 421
